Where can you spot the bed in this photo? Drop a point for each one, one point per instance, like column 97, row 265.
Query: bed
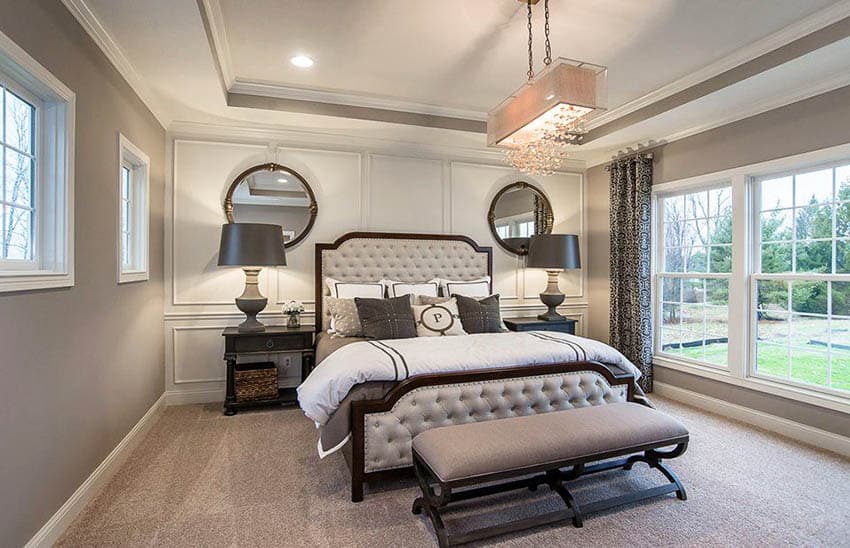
column 370, row 398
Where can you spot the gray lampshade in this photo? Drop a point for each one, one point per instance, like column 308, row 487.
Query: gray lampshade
column 554, row 251
column 251, row 244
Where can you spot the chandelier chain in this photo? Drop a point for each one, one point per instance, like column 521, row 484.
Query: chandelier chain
column 548, row 59
column 530, row 72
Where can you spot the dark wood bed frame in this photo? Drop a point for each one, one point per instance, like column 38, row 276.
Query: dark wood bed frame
column 354, row 450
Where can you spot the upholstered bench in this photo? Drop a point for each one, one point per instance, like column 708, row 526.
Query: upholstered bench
column 548, row 448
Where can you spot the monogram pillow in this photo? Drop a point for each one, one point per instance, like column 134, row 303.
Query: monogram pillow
column 438, row 319
column 480, row 316
column 386, row 318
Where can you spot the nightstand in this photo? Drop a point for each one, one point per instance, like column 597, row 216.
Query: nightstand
column 274, row 340
column 567, row 325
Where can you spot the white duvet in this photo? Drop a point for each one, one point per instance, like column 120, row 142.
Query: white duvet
column 394, row 360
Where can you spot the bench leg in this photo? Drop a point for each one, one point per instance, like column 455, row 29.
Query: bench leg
column 555, row 483
column 653, row 458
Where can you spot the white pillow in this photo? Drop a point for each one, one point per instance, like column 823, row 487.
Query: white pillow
column 435, row 320
column 397, row 289
column 479, row 287
column 349, row 290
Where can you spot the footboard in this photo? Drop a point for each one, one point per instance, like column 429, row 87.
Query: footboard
column 383, row 430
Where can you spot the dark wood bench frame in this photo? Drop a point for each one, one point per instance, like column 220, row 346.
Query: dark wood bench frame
column 550, row 474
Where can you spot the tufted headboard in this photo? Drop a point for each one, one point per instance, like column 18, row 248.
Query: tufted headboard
column 371, row 256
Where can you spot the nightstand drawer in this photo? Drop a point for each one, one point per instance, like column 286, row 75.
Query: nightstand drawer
column 272, row 343
column 568, row 325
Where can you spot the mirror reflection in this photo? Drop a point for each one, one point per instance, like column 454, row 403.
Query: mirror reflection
column 276, row 195
column 518, row 212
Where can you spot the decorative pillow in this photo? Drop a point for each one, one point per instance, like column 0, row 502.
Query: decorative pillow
column 386, row 318
column 434, row 320
column 350, row 290
column 426, row 299
column 468, row 288
column 397, row 289
column 345, row 322
column 479, row 316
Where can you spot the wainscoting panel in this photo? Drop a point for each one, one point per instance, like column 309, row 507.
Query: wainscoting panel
column 405, row 192
column 357, row 187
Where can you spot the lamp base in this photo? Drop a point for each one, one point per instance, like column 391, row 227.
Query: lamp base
column 552, row 297
column 251, row 302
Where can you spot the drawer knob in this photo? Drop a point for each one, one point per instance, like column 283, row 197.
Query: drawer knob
column 270, row 343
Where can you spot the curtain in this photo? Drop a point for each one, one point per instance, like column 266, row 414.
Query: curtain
column 631, row 304
column 539, row 215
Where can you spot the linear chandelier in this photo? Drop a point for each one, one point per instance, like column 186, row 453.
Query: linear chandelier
column 540, row 121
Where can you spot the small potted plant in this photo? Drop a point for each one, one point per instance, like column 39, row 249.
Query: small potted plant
column 293, row 309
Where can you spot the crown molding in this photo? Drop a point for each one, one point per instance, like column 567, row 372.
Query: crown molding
column 352, row 99
column 753, row 109
column 214, row 19
column 98, row 33
column 794, row 31
column 330, row 140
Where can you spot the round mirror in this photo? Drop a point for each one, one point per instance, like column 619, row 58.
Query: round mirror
column 273, row 194
column 518, row 212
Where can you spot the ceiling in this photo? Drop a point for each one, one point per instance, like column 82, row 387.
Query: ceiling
column 459, row 59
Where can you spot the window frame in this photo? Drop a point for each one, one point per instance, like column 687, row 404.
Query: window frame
column 133, row 158
column 658, row 274
column 53, row 240
column 745, row 242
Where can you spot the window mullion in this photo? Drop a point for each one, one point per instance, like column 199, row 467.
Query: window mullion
column 738, row 301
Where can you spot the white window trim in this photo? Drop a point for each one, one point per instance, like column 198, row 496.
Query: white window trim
column 739, row 372
column 55, row 154
column 132, row 156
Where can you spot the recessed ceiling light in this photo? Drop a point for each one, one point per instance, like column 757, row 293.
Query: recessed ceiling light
column 301, row 61
column 281, row 180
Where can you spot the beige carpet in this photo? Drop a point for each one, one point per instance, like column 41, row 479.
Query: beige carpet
column 201, row 479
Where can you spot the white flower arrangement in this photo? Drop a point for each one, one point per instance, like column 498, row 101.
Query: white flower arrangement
column 293, row 308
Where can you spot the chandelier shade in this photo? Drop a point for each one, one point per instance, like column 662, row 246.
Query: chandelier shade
column 550, row 107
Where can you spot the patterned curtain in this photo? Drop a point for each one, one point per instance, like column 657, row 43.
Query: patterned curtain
column 539, row 215
column 631, row 304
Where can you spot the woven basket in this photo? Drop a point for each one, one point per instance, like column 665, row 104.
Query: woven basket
column 256, row 381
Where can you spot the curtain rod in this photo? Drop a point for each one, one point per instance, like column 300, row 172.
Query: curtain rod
column 631, row 156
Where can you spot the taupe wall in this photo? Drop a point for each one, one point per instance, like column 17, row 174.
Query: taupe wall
column 80, row 366
column 813, row 124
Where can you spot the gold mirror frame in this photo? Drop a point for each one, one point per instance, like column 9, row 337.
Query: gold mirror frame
column 548, row 220
column 313, row 208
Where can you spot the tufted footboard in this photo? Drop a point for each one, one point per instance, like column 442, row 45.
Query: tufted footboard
column 383, row 430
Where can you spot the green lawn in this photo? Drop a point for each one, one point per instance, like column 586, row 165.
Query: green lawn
column 808, row 365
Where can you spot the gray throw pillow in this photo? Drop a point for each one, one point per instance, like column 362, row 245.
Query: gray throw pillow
column 479, row 315
column 386, row 318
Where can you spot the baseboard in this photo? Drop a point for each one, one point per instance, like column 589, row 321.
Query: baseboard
column 794, row 430
column 185, row 397
column 56, row 525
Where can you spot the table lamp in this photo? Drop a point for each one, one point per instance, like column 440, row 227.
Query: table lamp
column 251, row 246
column 554, row 253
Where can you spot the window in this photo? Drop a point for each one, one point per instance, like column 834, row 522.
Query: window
column 133, row 213
column 18, row 178
column 802, row 278
column 36, row 174
column 751, row 276
column 693, row 279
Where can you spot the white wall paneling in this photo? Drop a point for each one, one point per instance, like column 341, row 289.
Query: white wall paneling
column 358, row 186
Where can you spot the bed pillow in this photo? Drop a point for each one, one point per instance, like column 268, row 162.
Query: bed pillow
column 350, row 290
column 468, row 288
column 397, row 289
column 345, row 322
column 438, row 319
column 479, row 315
column 386, row 318
column 426, row 299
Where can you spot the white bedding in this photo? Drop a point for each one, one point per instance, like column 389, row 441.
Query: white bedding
column 393, row 360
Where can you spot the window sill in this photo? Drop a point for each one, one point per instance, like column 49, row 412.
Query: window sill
column 811, row 397
column 33, row 280
column 133, row 276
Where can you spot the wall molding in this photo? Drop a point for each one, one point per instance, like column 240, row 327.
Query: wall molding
column 175, row 356
column 794, row 430
column 188, row 397
column 94, row 484
column 107, row 44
